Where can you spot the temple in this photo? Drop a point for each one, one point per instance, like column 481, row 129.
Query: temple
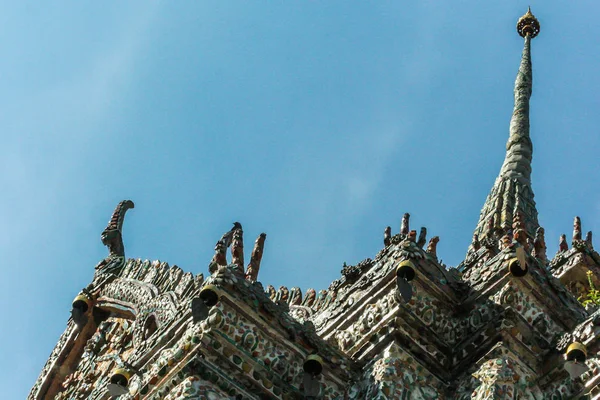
column 509, row 322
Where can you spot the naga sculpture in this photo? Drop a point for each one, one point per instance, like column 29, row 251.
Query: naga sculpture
column 220, row 258
column 112, row 237
column 432, row 246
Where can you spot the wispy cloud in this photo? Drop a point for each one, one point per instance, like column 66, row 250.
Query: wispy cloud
column 46, row 135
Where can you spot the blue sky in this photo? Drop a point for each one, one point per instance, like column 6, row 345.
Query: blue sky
column 319, row 123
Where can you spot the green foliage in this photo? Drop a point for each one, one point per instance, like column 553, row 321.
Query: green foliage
column 592, row 296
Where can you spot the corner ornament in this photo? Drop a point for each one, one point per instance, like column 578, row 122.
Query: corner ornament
column 112, row 237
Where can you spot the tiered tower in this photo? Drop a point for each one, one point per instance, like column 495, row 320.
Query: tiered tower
column 504, row 324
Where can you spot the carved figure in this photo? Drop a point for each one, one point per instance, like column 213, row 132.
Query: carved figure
column 405, row 227
column 422, row 237
column 475, row 244
column 562, row 244
column 521, row 238
column 255, row 258
column 112, row 237
column 432, row 246
column 576, row 229
column 506, row 240
column 387, row 236
column 539, row 244
column 220, row 258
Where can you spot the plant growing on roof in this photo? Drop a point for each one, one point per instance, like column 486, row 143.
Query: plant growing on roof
column 592, row 297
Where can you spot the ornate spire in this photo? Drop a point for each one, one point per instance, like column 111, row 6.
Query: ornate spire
column 511, row 194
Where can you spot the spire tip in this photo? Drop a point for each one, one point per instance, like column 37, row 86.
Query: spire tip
column 528, row 25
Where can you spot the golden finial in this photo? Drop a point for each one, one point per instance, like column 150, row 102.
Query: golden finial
column 528, row 25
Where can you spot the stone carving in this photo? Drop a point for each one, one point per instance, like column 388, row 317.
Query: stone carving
column 272, row 293
column 220, row 257
column 396, row 375
column 521, row 238
column 257, row 252
column 387, row 236
column 112, row 237
column 562, row 244
column 405, row 226
column 432, row 246
column 576, row 229
column 237, row 249
column 283, row 295
column 321, row 300
column 539, row 245
column 412, row 236
column 422, row 237
column 309, row 298
column 588, row 240
column 475, row 244
column 295, row 296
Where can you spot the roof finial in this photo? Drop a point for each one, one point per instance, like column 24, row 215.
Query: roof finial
column 528, row 25
column 512, row 195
